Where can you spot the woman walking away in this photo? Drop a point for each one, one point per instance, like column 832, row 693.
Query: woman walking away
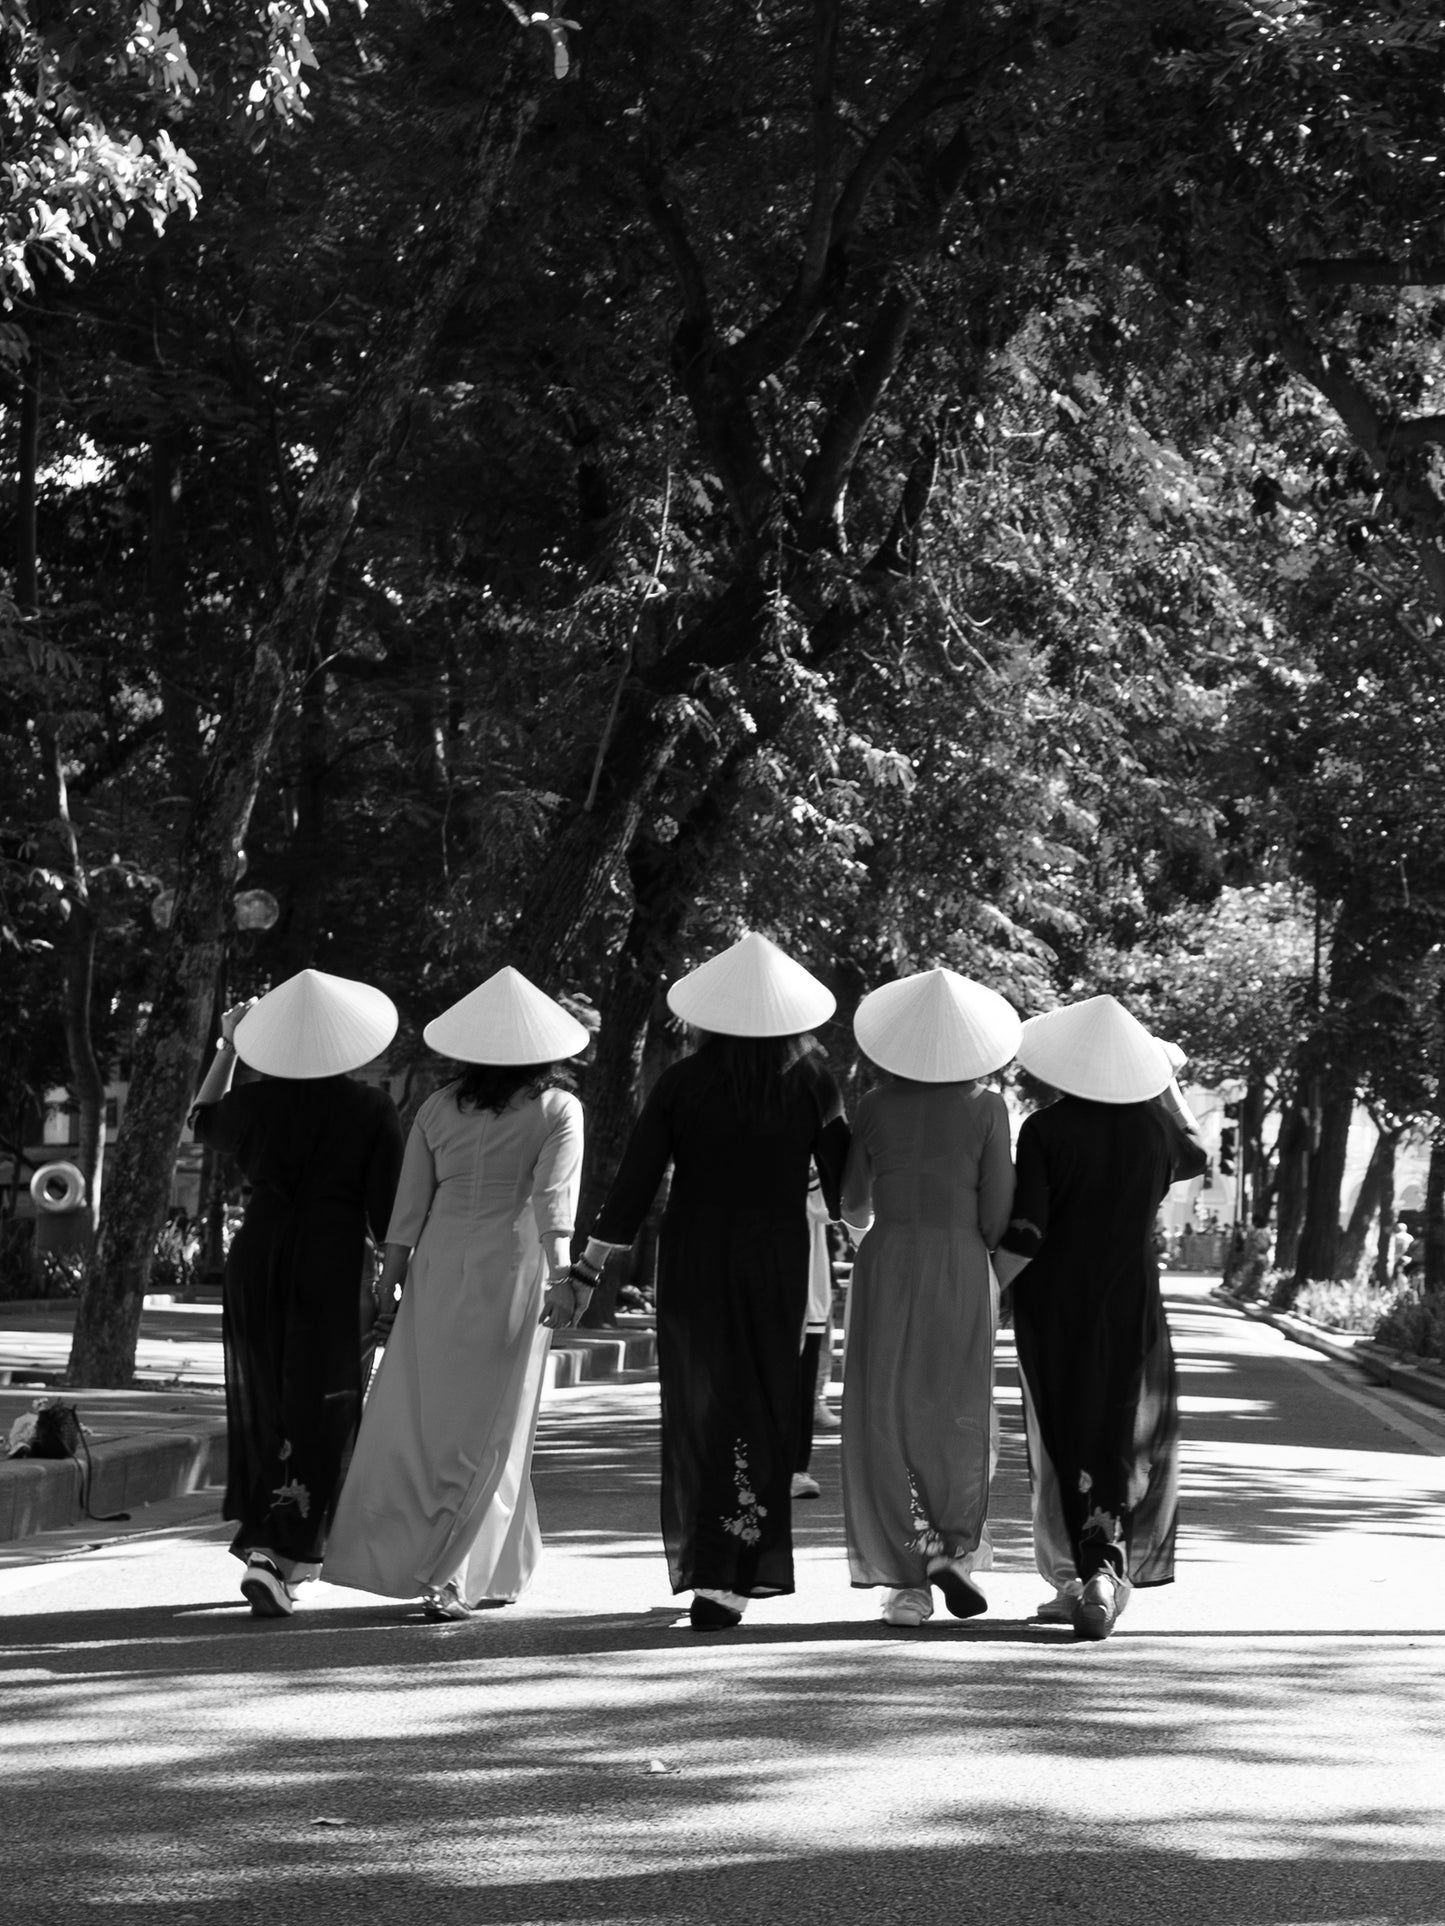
column 930, row 1167
column 321, row 1154
column 739, row 1120
column 439, row 1499
column 1095, row 1360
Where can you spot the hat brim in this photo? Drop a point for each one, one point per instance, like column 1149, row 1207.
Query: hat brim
column 1095, row 1050
column 938, row 1027
column 316, row 1025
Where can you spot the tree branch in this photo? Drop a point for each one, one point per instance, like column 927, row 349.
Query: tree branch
column 1370, row 271
column 1401, row 472
column 1418, row 431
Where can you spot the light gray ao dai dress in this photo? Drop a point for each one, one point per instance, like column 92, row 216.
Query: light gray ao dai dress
column 440, row 1485
column 932, row 1164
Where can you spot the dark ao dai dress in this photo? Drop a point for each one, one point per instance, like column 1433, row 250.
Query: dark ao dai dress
column 322, row 1156
column 732, row 1290
column 1093, row 1342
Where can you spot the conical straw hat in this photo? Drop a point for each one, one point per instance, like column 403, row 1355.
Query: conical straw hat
column 751, row 990
column 314, row 1025
column 506, row 1020
column 1177, row 1057
column 1097, row 1050
column 939, row 1027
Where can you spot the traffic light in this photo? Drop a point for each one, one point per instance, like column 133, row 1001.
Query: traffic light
column 1226, row 1151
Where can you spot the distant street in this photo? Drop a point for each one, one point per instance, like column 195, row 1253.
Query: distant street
column 1261, row 1743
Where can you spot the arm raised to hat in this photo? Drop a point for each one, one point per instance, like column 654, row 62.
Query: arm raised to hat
column 217, row 1080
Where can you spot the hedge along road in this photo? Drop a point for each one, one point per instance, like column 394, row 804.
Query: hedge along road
column 1263, row 1742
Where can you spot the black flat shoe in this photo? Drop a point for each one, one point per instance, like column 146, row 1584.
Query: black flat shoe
column 708, row 1616
column 960, row 1594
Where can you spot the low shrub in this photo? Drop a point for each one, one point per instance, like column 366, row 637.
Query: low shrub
column 1413, row 1322
column 1353, row 1304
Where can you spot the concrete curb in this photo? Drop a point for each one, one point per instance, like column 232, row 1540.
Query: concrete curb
column 1380, row 1366
column 147, row 1466
column 45, row 1494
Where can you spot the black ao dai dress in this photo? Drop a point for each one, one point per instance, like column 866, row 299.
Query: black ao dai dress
column 1100, row 1395
column 322, row 1156
column 732, row 1290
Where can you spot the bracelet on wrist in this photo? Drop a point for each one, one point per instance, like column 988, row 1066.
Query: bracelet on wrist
column 577, row 1277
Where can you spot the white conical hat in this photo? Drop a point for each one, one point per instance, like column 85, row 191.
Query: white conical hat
column 1097, row 1050
column 1177, row 1057
column 751, row 990
column 506, row 1020
column 939, row 1027
column 314, row 1025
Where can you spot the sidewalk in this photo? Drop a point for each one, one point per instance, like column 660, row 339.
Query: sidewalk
column 1416, row 1378
column 168, row 1435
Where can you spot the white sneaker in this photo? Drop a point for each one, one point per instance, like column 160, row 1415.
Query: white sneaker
column 266, row 1591
column 805, row 1486
column 907, row 1605
column 1097, row 1608
column 1059, row 1610
column 825, row 1418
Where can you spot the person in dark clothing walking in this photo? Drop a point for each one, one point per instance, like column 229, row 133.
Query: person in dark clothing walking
column 739, row 1120
column 1101, row 1403
column 322, row 1154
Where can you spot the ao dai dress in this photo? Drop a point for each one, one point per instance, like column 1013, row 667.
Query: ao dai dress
column 932, row 1163
column 321, row 1156
column 1100, row 1398
column 732, row 1292
column 440, row 1487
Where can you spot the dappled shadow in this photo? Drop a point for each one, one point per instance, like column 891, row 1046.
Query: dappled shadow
column 169, row 1763
column 591, row 1770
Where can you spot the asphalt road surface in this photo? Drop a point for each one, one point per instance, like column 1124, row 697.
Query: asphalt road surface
column 1262, row 1742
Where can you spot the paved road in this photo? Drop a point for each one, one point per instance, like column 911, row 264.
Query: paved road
column 1262, row 1743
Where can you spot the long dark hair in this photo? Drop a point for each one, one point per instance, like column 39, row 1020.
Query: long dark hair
column 755, row 1070
column 492, row 1086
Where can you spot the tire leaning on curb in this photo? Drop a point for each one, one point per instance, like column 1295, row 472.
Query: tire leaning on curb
column 71, row 1192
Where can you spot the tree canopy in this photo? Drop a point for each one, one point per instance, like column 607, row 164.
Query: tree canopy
column 956, row 483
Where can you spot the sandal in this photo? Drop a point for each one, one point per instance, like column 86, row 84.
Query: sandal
column 444, row 1602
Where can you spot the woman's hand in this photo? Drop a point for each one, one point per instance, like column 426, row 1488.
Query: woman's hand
column 232, row 1017
column 564, row 1303
column 559, row 1306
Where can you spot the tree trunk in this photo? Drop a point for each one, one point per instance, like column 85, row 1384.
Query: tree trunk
column 1293, row 1165
column 1434, row 1269
column 1319, row 1242
column 613, row 1098
column 1256, row 1187
column 170, row 626
column 1377, row 1185
column 308, row 861
column 169, row 1048
column 87, row 1082
column 1385, row 1244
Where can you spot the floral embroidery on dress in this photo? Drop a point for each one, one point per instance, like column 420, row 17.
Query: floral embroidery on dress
column 1101, row 1527
column 744, row 1524
column 294, row 1493
column 926, row 1541
column 1086, row 1482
